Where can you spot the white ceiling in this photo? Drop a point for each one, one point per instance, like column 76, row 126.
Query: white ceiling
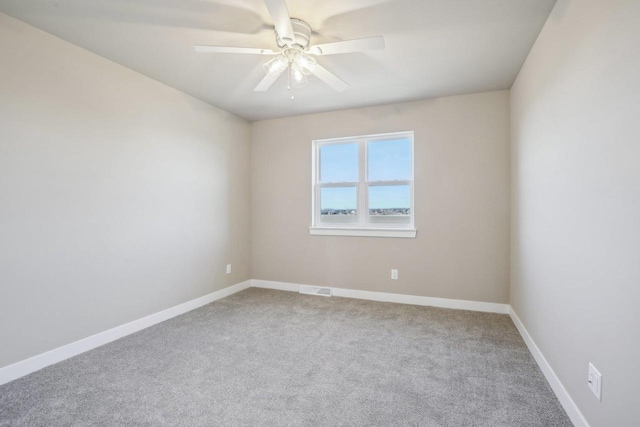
column 434, row 47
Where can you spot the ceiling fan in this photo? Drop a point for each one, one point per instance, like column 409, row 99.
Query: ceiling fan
column 294, row 54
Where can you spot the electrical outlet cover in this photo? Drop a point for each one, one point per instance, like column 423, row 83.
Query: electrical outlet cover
column 595, row 381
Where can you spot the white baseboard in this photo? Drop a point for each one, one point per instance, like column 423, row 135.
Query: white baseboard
column 563, row 396
column 487, row 307
column 27, row 366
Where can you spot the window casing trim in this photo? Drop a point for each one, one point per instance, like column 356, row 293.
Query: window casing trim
column 361, row 227
column 363, row 232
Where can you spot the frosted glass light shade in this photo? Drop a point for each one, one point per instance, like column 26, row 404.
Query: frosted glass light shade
column 305, row 63
column 276, row 66
column 297, row 77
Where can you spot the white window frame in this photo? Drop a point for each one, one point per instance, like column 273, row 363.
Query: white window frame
column 362, row 227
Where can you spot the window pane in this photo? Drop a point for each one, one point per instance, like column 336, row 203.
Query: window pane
column 339, row 163
column 338, row 205
column 389, row 160
column 390, row 204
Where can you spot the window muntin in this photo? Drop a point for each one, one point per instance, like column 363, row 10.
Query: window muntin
column 364, row 182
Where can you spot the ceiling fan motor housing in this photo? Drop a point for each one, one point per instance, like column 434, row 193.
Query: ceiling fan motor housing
column 301, row 32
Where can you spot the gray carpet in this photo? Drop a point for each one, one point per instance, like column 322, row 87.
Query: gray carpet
column 263, row 357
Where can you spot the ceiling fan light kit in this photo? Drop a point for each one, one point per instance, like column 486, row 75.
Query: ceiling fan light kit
column 297, row 79
column 293, row 38
column 293, row 58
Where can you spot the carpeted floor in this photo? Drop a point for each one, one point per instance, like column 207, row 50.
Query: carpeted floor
column 263, row 357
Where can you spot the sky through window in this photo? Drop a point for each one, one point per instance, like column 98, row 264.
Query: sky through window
column 388, row 160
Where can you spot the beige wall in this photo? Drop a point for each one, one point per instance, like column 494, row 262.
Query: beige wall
column 576, row 202
column 119, row 197
column 461, row 202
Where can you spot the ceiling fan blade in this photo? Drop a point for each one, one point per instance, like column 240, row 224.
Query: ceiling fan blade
column 266, row 83
column 230, row 49
column 348, row 46
column 329, row 78
column 281, row 19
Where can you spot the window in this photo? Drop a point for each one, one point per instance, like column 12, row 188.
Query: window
column 363, row 186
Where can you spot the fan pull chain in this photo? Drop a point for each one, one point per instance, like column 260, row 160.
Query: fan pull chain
column 289, row 86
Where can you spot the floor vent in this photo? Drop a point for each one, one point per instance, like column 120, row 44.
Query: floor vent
column 313, row 290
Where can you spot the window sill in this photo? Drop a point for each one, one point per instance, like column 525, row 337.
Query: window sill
column 409, row 233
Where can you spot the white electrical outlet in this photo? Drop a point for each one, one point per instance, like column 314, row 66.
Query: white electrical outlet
column 595, row 381
column 394, row 274
column 228, row 268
